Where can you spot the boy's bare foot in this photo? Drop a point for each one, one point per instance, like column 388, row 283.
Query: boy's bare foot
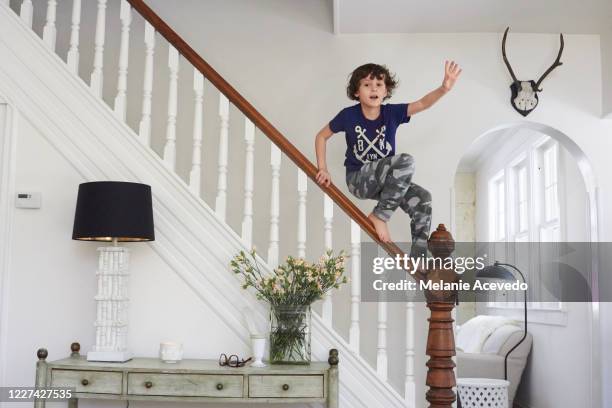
column 381, row 228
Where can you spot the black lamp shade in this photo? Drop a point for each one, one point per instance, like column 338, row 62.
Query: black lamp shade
column 106, row 210
column 495, row 271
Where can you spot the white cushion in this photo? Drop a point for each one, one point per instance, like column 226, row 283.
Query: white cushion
column 475, row 332
column 498, row 338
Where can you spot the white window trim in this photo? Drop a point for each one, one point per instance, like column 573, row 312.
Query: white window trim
column 493, row 207
column 513, row 211
column 536, row 315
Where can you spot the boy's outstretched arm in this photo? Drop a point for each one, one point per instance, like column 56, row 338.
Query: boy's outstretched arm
column 451, row 74
column 323, row 177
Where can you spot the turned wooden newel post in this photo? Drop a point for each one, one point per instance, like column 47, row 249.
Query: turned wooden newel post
column 440, row 340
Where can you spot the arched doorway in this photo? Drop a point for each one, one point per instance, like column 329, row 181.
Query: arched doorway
column 516, row 141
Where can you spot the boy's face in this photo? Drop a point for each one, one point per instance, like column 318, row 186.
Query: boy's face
column 371, row 91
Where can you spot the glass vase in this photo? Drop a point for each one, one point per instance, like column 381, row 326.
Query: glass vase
column 290, row 334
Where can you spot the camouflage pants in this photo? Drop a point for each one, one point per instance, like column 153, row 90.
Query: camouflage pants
column 388, row 180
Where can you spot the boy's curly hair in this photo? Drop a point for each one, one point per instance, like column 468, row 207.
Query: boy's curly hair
column 370, row 70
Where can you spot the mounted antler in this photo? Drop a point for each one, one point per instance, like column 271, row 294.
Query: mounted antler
column 525, row 93
column 506, row 58
column 555, row 64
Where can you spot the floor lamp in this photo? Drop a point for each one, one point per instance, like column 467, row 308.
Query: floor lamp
column 500, row 271
column 113, row 211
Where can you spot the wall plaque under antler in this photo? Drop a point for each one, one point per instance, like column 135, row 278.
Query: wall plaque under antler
column 525, row 93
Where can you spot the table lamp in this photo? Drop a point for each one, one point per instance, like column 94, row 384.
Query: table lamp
column 113, row 211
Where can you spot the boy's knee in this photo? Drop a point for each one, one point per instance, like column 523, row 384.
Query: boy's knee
column 405, row 157
column 406, row 160
column 426, row 197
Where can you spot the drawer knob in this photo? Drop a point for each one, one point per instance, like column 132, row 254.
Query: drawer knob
column 219, row 386
column 148, row 384
column 85, row 381
column 285, row 387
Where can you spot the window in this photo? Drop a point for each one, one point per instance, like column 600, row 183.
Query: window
column 551, row 203
column 524, row 207
column 522, row 204
column 548, row 202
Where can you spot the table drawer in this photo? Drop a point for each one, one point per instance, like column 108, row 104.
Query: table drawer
column 286, row 386
column 95, row 382
column 192, row 385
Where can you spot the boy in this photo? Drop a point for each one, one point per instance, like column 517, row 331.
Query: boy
column 373, row 171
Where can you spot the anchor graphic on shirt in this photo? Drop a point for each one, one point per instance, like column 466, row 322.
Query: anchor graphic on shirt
column 380, row 139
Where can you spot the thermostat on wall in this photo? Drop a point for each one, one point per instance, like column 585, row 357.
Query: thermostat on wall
column 28, row 200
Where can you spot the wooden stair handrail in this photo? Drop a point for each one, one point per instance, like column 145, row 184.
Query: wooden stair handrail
column 259, row 120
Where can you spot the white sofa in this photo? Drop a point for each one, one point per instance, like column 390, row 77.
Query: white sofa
column 482, row 343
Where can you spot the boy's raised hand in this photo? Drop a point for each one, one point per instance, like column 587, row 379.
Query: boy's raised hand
column 323, row 177
column 451, row 74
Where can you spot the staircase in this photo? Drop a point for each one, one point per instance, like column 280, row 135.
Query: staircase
column 191, row 235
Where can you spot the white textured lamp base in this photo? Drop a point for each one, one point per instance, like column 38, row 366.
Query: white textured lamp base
column 110, row 356
column 112, row 304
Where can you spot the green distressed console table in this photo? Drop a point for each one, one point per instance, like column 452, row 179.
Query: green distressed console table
column 189, row 380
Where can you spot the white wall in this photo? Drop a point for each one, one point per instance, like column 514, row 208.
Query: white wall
column 606, row 55
column 465, row 207
column 51, row 279
column 464, row 228
column 606, row 354
column 282, row 57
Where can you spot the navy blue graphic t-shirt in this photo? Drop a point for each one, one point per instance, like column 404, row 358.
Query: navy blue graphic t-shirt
column 369, row 140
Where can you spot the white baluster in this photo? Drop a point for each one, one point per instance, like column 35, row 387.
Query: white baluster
column 49, row 31
column 126, row 19
column 328, row 218
column 26, row 12
column 220, row 203
column 98, row 64
column 381, row 348
column 275, row 162
column 409, row 382
column 196, row 159
column 302, row 184
column 355, row 285
column 73, row 52
column 247, row 220
column 170, row 146
column 144, row 130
